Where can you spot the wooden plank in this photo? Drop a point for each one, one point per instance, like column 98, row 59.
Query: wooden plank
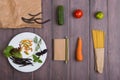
column 44, row 72
column 79, row 28
column 5, row 68
column 60, row 31
column 114, row 39
column 73, row 28
column 59, row 70
column 102, row 25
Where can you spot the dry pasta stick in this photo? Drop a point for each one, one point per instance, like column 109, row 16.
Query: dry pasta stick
column 98, row 40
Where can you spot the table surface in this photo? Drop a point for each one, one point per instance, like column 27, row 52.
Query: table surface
column 73, row 28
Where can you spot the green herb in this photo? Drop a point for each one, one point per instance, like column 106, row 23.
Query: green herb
column 37, row 42
column 40, row 41
column 7, row 51
column 16, row 53
column 37, row 47
column 37, row 59
column 35, row 39
column 11, row 51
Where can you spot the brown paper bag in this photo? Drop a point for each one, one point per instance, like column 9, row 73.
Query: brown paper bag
column 20, row 13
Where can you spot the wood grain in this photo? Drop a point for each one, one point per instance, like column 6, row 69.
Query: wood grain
column 59, row 69
column 79, row 28
column 45, row 33
column 73, row 28
column 114, row 39
column 102, row 25
column 5, row 69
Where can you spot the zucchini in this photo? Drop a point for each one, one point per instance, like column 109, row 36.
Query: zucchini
column 60, row 15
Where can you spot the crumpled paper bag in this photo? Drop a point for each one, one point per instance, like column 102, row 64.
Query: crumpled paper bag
column 16, row 13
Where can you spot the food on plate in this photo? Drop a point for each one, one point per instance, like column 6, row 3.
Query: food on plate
column 15, row 55
column 41, row 52
column 37, row 59
column 60, row 15
column 26, row 45
column 11, row 51
column 78, row 13
column 22, row 61
column 37, row 42
column 99, row 15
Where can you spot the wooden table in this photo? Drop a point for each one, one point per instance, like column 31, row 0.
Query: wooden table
column 56, row 70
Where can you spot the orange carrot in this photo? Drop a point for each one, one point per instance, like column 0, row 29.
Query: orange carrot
column 79, row 55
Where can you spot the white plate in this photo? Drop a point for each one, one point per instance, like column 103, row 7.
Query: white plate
column 15, row 43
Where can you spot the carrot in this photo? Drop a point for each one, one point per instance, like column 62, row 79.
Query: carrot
column 79, row 55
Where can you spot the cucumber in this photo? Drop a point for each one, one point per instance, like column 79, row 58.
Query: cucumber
column 60, row 15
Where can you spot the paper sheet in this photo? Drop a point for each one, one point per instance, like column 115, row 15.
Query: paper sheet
column 11, row 12
column 59, row 49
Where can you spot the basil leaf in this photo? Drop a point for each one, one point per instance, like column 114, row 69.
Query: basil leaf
column 36, row 59
column 17, row 55
column 39, row 61
column 7, row 51
column 15, row 52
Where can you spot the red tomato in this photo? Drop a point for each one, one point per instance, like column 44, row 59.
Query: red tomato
column 78, row 13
